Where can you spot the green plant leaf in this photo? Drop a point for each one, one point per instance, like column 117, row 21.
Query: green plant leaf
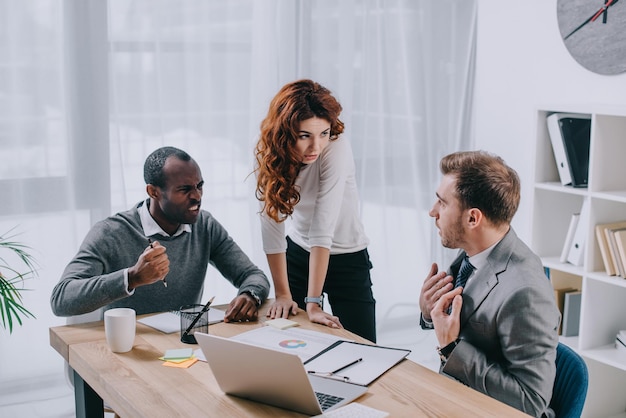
column 12, row 309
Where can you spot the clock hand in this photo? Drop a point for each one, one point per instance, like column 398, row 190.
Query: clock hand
column 593, row 17
column 603, row 10
column 578, row 28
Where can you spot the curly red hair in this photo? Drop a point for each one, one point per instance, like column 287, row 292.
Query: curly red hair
column 278, row 162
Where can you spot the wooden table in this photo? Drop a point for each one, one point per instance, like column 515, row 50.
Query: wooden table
column 135, row 384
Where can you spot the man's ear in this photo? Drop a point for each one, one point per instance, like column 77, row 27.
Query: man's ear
column 153, row 191
column 474, row 217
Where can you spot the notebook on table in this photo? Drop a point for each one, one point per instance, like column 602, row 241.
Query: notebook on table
column 273, row 377
column 169, row 322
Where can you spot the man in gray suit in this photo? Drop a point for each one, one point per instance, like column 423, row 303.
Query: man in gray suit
column 497, row 329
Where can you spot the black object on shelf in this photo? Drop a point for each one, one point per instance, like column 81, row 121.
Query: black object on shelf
column 576, row 134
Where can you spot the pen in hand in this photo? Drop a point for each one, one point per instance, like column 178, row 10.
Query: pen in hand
column 151, row 246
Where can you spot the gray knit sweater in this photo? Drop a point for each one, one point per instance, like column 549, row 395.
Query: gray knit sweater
column 95, row 277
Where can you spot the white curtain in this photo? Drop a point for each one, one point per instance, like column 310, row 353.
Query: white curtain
column 89, row 88
column 49, row 184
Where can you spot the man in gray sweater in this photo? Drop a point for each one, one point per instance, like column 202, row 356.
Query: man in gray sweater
column 154, row 257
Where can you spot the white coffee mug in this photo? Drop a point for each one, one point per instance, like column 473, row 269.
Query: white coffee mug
column 119, row 327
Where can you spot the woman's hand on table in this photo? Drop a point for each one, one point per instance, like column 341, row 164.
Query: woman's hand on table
column 282, row 307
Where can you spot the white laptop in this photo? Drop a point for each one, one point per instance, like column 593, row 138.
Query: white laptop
column 273, row 377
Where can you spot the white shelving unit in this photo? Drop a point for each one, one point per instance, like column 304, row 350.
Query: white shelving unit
column 603, row 306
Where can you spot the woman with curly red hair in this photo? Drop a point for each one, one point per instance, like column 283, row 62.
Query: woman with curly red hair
column 306, row 176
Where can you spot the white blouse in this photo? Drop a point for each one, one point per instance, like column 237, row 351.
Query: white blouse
column 328, row 213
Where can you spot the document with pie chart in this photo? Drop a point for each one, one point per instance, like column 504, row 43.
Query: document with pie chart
column 302, row 342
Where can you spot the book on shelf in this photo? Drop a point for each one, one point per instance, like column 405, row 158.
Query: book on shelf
column 559, row 297
column 605, row 251
column 576, row 250
column 570, row 136
column 612, row 244
column 569, row 238
column 620, row 241
column 571, row 313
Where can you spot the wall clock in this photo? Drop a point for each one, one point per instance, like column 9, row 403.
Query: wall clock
column 594, row 33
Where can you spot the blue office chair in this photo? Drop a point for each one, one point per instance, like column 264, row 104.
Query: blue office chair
column 570, row 384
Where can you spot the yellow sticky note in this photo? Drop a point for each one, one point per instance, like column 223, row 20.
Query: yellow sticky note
column 183, row 365
column 282, row 323
column 180, row 353
column 176, row 360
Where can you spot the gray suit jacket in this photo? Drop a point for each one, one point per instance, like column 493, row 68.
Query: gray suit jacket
column 509, row 329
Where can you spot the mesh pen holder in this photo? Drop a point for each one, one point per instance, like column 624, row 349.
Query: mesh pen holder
column 189, row 314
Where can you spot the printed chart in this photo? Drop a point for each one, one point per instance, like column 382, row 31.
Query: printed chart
column 304, row 343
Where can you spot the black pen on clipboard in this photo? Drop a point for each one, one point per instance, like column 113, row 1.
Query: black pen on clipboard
column 334, row 375
column 151, row 246
column 346, row 366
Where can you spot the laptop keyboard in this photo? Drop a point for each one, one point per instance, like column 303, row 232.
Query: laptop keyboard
column 326, row 400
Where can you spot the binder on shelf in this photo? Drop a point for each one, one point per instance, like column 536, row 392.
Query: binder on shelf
column 576, row 250
column 605, row 251
column 559, row 149
column 571, row 313
column 569, row 238
column 570, row 135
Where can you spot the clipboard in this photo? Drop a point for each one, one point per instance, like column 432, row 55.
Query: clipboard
column 366, row 362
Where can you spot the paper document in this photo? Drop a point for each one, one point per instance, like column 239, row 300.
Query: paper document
column 169, row 322
column 353, row 410
column 199, row 354
column 303, row 342
column 366, row 362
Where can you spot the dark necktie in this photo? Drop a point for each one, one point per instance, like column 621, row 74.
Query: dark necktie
column 464, row 272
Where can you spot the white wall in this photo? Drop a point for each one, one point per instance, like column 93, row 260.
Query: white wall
column 522, row 64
